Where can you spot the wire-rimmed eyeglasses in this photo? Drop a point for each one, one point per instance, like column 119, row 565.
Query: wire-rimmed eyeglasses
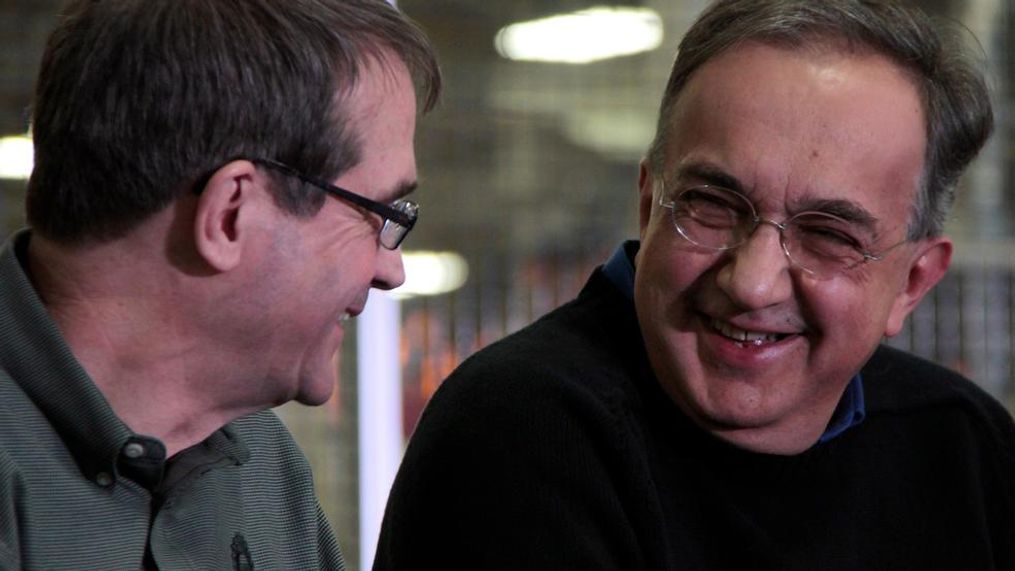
column 819, row 243
column 399, row 217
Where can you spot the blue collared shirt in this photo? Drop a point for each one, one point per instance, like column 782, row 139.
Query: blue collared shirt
column 619, row 269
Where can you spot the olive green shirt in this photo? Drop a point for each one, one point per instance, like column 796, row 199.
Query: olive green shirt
column 80, row 490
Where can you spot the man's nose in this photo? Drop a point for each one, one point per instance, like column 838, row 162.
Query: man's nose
column 756, row 274
column 390, row 273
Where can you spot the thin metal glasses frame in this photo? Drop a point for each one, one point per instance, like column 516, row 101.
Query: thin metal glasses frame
column 757, row 220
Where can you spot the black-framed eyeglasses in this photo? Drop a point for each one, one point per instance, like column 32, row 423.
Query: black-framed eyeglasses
column 399, row 217
column 819, row 243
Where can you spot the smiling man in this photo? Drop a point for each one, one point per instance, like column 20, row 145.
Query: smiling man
column 767, row 277
column 218, row 185
column 717, row 397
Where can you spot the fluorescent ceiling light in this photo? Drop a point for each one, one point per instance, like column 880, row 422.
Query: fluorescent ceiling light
column 432, row 273
column 16, row 157
column 585, row 36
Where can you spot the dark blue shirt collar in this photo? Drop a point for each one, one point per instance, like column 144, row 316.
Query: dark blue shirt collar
column 619, row 269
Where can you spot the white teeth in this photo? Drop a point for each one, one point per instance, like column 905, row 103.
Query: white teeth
column 741, row 335
column 344, row 317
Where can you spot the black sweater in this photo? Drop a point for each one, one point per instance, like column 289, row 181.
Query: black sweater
column 556, row 448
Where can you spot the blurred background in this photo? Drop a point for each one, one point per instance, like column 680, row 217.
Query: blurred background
column 528, row 181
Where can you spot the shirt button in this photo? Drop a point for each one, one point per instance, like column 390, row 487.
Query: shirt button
column 133, row 450
column 103, row 479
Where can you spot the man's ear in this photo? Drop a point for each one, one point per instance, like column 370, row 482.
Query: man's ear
column 645, row 193
column 929, row 266
column 226, row 208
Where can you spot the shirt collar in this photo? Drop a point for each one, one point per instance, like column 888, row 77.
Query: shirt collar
column 38, row 359
column 619, row 269
column 850, row 411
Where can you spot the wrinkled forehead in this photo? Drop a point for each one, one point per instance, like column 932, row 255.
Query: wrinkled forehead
column 823, row 55
column 788, row 126
column 820, row 44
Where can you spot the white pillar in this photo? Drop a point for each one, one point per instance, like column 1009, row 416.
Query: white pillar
column 379, row 386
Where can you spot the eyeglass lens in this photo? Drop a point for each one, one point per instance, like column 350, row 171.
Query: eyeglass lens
column 392, row 233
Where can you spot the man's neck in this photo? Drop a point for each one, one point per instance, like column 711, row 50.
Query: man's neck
column 124, row 318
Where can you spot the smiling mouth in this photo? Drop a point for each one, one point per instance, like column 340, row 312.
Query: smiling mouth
column 745, row 337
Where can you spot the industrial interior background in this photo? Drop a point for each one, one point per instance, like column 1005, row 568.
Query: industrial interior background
column 528, row 171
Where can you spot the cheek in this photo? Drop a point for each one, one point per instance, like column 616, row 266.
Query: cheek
column 671, row 261
column 660, row 282
column 352, row 263
column 852, row 309
column 668, row 281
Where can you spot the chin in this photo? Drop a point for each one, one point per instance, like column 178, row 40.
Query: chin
column 733, row 418
column 730, row 404
column 316, row 397
column 317, row 389
column 317, row 378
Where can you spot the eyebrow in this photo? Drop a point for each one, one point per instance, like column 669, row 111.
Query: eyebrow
column 710, row 174
column 402, row 189
column 848, row 210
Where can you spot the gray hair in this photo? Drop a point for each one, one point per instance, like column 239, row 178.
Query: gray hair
column 957, row 107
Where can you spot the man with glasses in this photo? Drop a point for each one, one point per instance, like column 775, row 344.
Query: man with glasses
column 717, row 396
column 217, row 186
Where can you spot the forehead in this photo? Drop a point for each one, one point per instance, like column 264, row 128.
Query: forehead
column 383, row 97
column 381, row 108
column 792, row 124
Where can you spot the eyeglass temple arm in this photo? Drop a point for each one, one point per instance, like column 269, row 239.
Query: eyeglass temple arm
column 871, row 257
column 383, row 210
